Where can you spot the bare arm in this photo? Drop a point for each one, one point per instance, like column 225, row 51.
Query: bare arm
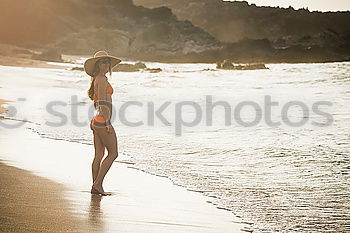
column 104, row 105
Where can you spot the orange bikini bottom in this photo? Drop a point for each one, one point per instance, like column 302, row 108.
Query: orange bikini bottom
column 98, row 120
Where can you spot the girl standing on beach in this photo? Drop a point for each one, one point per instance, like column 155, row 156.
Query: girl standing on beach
column 104, row 134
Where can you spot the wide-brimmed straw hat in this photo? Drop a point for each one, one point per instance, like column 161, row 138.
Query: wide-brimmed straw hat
column 89, row 64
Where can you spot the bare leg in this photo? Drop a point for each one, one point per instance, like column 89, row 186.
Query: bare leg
column 99, row 153
column 110, row 142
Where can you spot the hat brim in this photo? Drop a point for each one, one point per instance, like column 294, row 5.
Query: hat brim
column 89, row 64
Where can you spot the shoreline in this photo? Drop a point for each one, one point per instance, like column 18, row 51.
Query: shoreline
column 140, row 202
column 24, row 59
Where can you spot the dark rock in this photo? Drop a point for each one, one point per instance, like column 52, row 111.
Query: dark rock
column 250, row 21
column 227, row 65
column 51, row 54
column 78, row 68
column 125, row 68
column 140, row 65
column 90, row 40
column 255, row 67
column 135, row 68
column 154, row 70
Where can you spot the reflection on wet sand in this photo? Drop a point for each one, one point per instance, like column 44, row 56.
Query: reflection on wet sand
column 96, row 222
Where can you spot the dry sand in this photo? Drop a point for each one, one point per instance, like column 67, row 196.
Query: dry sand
column 32, row 204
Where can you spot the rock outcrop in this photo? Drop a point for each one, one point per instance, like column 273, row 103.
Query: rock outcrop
column 126, row 68
column 233, row 21
column 228, row 65
column 50, row 54
column 138, row 66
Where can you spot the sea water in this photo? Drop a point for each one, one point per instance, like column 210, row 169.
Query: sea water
column 280, row 177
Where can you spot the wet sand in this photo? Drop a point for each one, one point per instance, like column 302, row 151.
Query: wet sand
column 29, row 203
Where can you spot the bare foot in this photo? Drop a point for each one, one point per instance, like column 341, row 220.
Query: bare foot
column 98, row 190
column 94, row 191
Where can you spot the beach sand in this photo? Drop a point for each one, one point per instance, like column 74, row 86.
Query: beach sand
column 33, row 204
column 30, row 203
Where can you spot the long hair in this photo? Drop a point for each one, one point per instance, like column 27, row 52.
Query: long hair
column 95, row 72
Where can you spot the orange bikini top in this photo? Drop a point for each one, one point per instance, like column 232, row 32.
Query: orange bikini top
column 109, row 91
